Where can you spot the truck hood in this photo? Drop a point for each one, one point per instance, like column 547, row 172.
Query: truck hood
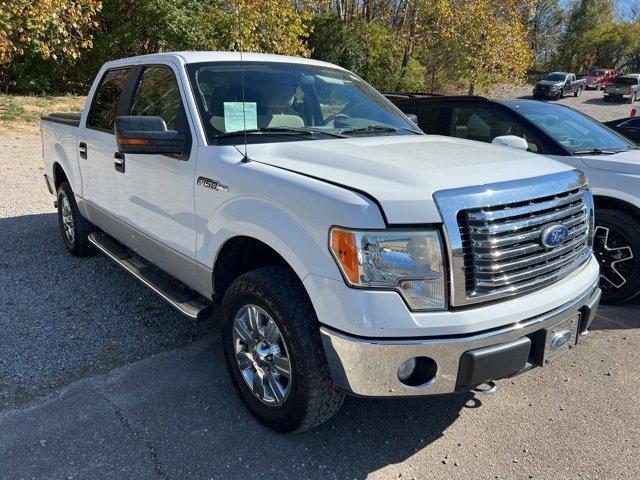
column 624, row 162
column 403, row 172
column 549, row 83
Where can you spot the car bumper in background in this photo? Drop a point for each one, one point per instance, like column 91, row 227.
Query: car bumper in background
column 448, row 364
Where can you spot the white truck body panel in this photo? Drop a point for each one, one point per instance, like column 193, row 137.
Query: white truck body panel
column 289, row 195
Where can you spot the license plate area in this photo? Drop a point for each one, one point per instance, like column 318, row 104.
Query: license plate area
column 560, row 339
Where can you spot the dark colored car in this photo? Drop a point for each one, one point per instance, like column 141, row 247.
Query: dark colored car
column 629, row 127
column 610, row 161
column 557, row 85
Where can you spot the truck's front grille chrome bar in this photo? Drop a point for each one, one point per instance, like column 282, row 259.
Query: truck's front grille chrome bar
column 494, row 234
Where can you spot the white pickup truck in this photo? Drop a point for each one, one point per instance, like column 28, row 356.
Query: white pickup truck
column 348, row 252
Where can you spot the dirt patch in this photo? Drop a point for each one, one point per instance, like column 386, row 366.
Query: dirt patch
column 19, row 115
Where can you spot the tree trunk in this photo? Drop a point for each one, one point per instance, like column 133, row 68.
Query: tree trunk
column 472, row 89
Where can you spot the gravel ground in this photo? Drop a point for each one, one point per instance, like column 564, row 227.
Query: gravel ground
column 83, row 324
column 61, row 317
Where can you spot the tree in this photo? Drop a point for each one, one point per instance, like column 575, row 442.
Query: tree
column 487, row 42
column 39, row 36
column 545, row 20
column 586, row 18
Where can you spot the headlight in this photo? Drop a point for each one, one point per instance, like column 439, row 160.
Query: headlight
column 408, row 261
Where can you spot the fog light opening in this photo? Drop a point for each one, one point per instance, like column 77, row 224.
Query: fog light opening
column 417, row 371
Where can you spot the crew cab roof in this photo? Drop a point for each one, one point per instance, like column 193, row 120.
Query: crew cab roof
column 214, row 56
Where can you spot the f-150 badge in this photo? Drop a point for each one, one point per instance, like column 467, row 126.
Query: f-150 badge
column 212, row 184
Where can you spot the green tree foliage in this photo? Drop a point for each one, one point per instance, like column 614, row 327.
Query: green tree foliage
column 585, row 20
column 40, row 38
column 49, row 46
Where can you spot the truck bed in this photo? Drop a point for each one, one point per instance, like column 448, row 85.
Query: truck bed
column 71, row 119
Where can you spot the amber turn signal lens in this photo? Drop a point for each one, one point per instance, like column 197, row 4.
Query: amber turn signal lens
column 133, row 141
column 343, row 246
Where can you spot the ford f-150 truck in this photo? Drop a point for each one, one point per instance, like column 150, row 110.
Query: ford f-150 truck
column 348, row 252
column 558, row 85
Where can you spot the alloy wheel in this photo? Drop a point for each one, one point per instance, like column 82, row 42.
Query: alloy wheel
column 262, row 355
column 615, row 256
column 67, row 219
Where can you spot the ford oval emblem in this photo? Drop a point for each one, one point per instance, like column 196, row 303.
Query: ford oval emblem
column 554, row 235
column 560, row 339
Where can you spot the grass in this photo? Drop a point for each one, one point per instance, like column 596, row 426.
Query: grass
column 28, row 110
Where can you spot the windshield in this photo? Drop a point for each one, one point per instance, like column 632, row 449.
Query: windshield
column 555, row 77
column 573, row 130
column 596, row 73
column 285, row 101
column 626, row 81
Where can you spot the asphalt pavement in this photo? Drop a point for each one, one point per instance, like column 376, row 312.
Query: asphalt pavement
column 100, row 379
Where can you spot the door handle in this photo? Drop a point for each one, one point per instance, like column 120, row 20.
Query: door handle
column 118, row 161
column 82, row 148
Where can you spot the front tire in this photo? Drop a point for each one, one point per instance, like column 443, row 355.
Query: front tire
column 617, row 248
column 74, row 227
column 273, row 350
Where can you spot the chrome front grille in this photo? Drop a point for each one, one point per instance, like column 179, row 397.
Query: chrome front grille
column 494, row 235
column 502, row 249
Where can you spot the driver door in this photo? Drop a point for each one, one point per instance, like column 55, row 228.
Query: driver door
column 156, row 192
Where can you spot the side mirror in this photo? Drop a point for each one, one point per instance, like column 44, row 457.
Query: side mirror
column 414, row 118
column 512, row 141
column 148, row 135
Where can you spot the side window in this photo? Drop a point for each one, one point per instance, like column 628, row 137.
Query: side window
column 484, row 124
column 157, row 94
column 105, row 100
column 427, row 117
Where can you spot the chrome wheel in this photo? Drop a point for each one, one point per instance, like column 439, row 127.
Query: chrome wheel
column 615, row 256
column 262, row 355
column 67, row 219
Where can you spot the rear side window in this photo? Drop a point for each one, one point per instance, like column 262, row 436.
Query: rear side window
column 157, row 94
column 484, row 124
column 427, row 118
column 105, row 101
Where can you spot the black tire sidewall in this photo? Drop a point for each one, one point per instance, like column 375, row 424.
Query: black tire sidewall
column 65, row 191
column 288, row 415
column 628, row 227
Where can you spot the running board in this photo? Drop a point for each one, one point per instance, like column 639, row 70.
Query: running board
column 179, row 296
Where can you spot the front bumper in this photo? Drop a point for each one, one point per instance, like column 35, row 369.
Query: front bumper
column 368, row 367
column 617, row 96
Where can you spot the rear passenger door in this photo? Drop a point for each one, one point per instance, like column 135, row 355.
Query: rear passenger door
column 156, row 192
column 97, row 143
column 484, row 123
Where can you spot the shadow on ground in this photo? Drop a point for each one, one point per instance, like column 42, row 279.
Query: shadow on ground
column 63, row 318
column 176, row 415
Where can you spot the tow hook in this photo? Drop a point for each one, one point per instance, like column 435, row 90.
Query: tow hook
column 487, row 388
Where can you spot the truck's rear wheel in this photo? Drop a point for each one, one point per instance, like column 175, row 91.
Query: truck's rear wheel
column 272, row 347
column 617, row 248
column 74, row 227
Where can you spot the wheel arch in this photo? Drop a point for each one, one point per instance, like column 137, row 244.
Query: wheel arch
column 239, row 255
column 612, row 203
column 59, row 175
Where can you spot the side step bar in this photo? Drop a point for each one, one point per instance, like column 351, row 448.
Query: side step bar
column 183, row 299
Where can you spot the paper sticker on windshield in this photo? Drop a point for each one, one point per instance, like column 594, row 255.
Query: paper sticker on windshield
column 238, row 118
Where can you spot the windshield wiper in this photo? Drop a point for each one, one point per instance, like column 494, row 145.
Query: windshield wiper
column 377, row 128
column 597, row 151
column 279, row 131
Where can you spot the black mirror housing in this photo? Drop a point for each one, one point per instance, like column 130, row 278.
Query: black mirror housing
column 149, row 135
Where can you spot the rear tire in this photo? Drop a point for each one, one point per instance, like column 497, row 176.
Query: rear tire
column 617, row 248
column 75, row 229
column 308, row 396
column 577, row 92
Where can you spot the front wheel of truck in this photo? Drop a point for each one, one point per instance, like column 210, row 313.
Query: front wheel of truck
column 273, row 350
column 616, row 245
column 74, row 227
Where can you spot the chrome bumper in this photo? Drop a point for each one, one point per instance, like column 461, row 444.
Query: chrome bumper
column 368, row 367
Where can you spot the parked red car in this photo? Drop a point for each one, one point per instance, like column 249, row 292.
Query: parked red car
column 599, row 78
